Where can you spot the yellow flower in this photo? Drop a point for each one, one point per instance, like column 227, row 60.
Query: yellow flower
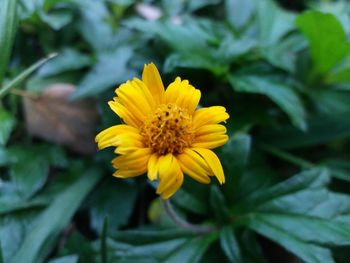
column 164, row 133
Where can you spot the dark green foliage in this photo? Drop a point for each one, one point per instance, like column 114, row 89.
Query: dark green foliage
column 282, row 75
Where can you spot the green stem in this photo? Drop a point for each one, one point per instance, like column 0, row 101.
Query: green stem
column 17, row 80
column 183, row 223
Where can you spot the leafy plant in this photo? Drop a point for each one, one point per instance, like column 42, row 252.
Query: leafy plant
column 281, row 72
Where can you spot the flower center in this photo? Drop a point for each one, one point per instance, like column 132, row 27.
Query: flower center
column 168, row 130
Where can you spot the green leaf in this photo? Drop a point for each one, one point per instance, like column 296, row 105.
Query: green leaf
column 338, row 9
column 339, row 73
column 192, row 250
column 1, row 258
column 173, row 34
column 313, row 200
column 258, row 177
column 93, row 25
column 239, row 12
column 338, row 168
column 29, row 174
column 65, row 259
column 190, row 202
column 195, row 52
column 251, row 249
column 110, row 70
column 231, row 49
column 284, row 54
column 140, row 236
column 17, row 80
column 68, row 59
column 304, row 204
column 29, row 167
column 309, row 179
column 194, row 60
column 273, row 22
column 331, row 101
column 234, row 158
column 9, row 204
column 155, row 250
column 309, row 229
column 13, row 229
column 56, row 216
column 8, row 27
column 7, row 124
column 57, row 19
column 4, row 157
column 327, row 39
column 218, row 204
column 106, row 202
column 57, row 156
column 318, row 132
column 230, row 245
column 195, row 5
column 306, row 251
column 77, row 244
column 341, row 76
column 104, row 232
column 193, row 197
column 282, row 94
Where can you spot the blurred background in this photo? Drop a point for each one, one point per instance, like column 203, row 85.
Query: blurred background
column 281, row 69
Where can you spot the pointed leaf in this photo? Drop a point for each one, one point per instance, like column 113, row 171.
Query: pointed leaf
column 8, row 27
column 56, row 216
column 7, row 124
column 230, row 245
column 282, row 94
column 192, row 250
column 326, row 38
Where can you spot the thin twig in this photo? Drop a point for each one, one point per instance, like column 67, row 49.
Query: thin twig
column 24, row 93
column 199, row 229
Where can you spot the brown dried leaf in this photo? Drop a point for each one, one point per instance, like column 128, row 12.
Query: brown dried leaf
column 51, row 116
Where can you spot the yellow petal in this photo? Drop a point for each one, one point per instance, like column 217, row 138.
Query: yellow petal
column 197, row 159
column 153, row 167
column 167, row 193
column 146, row 92
column 172, row 91
column 129, row 139
column 124, row 163
column 132, row 95
column 182, row 94
column 127, row 148
column 167, row 172
column 129, row 173
column 109, row 137
column 152, row 79
column 193, row 100
column 211, row 129
column 124, row 113
column 136, row 160
column 213, row 162
column 210, row 115
column 193, row 168
column 210, row 141
column 170, row 175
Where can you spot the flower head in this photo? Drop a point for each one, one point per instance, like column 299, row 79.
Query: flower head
column 164, row 133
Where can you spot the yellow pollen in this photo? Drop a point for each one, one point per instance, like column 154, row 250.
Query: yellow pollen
column 168, row 130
